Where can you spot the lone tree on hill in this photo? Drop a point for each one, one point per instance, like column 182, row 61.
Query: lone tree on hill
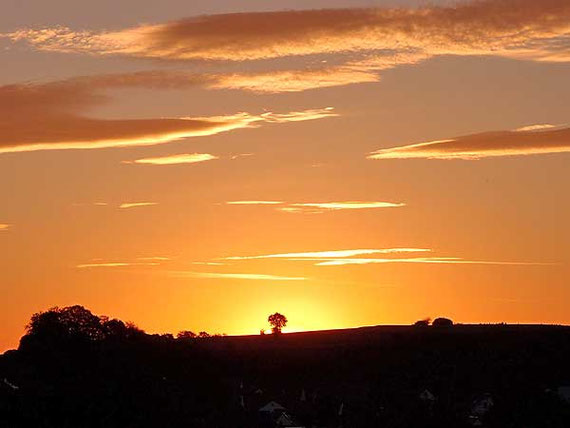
column 277, row 322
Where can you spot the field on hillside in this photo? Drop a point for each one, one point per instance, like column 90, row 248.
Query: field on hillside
column 389, row 376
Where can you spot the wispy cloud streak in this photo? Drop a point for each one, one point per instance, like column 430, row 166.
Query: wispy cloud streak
column 525, row 141
column 428, row 260
column 139, row 261
column 331, row 254
column 49, row 116
column 537, row 127
column 353, row 257
column 185, row 158
column 128, row 205
column 295, row 80
column 350, row 205
column 320, row 207
column 4, row 226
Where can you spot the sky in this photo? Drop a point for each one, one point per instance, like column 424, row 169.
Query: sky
column 201, row 165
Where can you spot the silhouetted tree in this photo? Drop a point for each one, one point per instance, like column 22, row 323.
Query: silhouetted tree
column 71, row 322
column 134, row 329
column 277, row 322
column 442, row 322
column 117, row 329
column 203, row 335
column 74, row 324
column 422, row 323
column 185, row 334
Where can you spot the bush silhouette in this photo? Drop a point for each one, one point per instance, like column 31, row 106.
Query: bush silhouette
column 185, row 334
column 442, row 322
column 422, row 323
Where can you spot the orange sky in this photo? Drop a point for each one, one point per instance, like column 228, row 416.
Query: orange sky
column 200, row 166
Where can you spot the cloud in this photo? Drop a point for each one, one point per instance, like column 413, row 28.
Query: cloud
column 537, row 127
column 320, row 207
column 331, row 254
column 50, row 116
column 350, row 205
column 352, row 257
column 4, row 226
column 532, row 141
column 139, row 261
column 294, row 80
column 127, row 205
column 368, row 40
column 364, row 69
column 297, row 116
column 124, row 205
column 519, row 28
column 247, row 276
column 175, row 159
column 429, row 260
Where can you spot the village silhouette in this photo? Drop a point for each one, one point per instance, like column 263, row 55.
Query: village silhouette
column 76, row 369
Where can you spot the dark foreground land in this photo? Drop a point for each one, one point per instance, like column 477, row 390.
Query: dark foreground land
column 459, row 376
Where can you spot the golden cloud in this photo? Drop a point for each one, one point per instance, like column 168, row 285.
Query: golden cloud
column 127, row 205
column 331, row 254
column 320, row 207
column 139, row 261
column 525, row 141
column 293, row 80
column 4, row 226
column 352, row 257
column 536, row 127
column 373, row 39
column 349, row 205
column 49, row 116
column 175, row 159
column 429, row 260
column 520, row 28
